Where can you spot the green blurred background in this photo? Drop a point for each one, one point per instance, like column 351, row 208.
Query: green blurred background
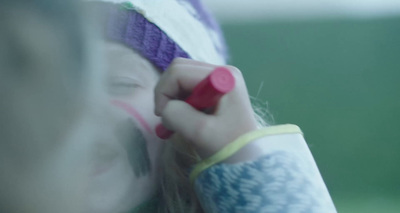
column 339, row 80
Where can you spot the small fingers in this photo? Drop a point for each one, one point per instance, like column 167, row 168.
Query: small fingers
column 179, row 80
column 181, row 117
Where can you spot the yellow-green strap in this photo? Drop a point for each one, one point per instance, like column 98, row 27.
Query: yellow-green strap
column 239, row 143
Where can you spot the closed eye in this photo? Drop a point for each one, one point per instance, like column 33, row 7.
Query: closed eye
column 122, row 86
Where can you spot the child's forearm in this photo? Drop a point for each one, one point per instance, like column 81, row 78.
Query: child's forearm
column 281, row 176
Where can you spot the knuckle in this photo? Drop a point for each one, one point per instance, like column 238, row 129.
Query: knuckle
column 174, row 70
column 237, row 74
column 174, row 62
column 234, row 70
column 177, row 61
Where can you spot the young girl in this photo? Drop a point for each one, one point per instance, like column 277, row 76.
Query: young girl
column 220, row 162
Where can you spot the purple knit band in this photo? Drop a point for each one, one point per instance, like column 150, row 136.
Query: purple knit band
column 133, row 30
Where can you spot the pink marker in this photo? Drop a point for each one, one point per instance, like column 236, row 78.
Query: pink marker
column 206, row 94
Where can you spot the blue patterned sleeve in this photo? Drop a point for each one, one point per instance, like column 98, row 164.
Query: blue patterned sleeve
column 279, row 182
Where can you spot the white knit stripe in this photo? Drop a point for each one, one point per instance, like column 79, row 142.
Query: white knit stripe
column 175, row 20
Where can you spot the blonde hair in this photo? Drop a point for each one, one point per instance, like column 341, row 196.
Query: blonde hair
column 177, row 193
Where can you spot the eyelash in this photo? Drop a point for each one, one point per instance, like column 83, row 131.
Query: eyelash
column 122, row 86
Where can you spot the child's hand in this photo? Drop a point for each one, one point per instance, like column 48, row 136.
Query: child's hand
column 233, row 116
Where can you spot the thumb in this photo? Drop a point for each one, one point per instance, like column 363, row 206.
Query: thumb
column 180, row 117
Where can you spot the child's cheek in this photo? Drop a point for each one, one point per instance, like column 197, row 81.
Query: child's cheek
column 135, row 114
column 138, row 138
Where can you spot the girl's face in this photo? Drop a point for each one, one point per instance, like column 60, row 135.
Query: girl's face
column 127, row 157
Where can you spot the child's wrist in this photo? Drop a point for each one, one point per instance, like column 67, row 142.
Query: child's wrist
column 239, row 150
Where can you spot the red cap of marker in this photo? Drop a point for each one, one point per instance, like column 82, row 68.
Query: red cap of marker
column 206, row 94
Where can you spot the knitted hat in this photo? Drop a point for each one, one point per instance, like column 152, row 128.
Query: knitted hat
column 161, row 30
